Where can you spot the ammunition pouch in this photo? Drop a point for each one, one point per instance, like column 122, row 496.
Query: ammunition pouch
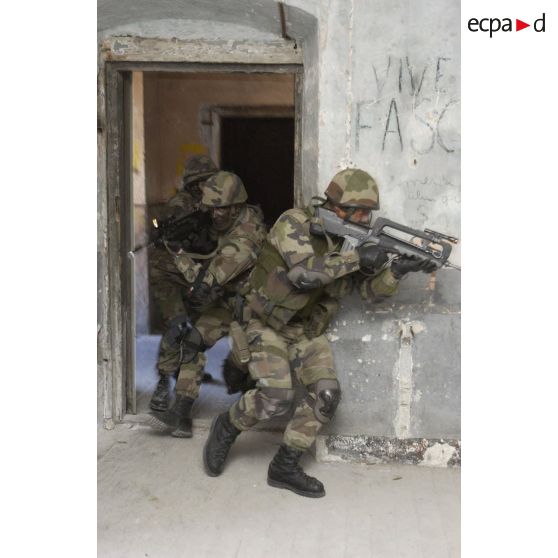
column 239, row 343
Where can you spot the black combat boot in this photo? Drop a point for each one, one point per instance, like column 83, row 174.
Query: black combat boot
column 176, row 420
column 221, row 437
column 160, row 398
column 285, row 472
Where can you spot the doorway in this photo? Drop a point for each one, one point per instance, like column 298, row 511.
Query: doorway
column 259, row 147
column 245, row 120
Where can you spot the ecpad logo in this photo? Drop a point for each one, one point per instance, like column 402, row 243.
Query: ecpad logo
column 494, row 24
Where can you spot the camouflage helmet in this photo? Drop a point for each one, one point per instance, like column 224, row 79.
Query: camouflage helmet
column 353, row 188
column 198, row 167
column 223, row 189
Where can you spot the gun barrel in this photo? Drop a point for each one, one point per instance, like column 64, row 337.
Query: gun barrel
column 453, row 266
column 141, row 247
column 452, row 239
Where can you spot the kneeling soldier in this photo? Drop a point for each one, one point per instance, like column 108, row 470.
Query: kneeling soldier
column 239, row 231
column 168, row 285
column 295, row 287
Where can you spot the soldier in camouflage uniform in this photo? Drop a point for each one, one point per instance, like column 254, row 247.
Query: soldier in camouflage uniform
column 239, row 231
column 168, row 285
column 295, row 288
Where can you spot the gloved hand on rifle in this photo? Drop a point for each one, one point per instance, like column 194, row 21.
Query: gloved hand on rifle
column 371, row 257
column 160, row 230
column 406, row 264
column 201, row 293
column 196, row 244
column 201, row 243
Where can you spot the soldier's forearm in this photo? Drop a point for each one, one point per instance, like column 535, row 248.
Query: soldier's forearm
column 225, row 269
column 333, row 266
column 380, row 287
column 187, row 267
column 319, row 271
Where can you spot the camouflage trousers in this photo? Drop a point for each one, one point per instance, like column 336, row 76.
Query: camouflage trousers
column 168, row 284
column 275, row 357
column 213, row 324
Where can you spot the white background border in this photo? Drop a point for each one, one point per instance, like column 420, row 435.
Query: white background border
column 509, row 181
column 509, row 373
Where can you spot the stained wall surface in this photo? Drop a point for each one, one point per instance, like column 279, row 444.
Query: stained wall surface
column 173, row 113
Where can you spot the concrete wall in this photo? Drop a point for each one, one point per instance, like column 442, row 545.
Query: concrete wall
column 397, row 80
column 381, row 92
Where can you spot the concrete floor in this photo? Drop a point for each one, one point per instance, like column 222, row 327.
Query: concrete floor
column 154, row 500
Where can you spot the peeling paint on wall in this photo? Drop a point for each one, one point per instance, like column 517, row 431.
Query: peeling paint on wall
column 438, row 455
column 376, row 450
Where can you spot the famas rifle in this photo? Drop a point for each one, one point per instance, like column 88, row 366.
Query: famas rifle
column 190, row 230
column 390, row 236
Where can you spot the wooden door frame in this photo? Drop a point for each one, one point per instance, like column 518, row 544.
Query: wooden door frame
column 118, row 58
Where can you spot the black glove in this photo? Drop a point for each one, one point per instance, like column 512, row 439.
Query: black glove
column 371, row 257
column 200, row 243
column 236, row 378
column 407, row 264
column 201, row 294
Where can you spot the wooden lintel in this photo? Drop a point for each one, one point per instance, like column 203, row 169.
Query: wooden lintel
column 137, row 49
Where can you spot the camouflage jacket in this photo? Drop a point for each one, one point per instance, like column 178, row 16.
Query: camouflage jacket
column 275, row 300
column 237, row 250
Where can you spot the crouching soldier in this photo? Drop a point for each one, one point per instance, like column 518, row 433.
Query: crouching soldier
column 239, row 231
column 168, row 285
column 295, row 287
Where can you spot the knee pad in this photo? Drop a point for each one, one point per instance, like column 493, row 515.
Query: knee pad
column 176, row 330
column 191, row 344
column 328, row 395
column 273, row 402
